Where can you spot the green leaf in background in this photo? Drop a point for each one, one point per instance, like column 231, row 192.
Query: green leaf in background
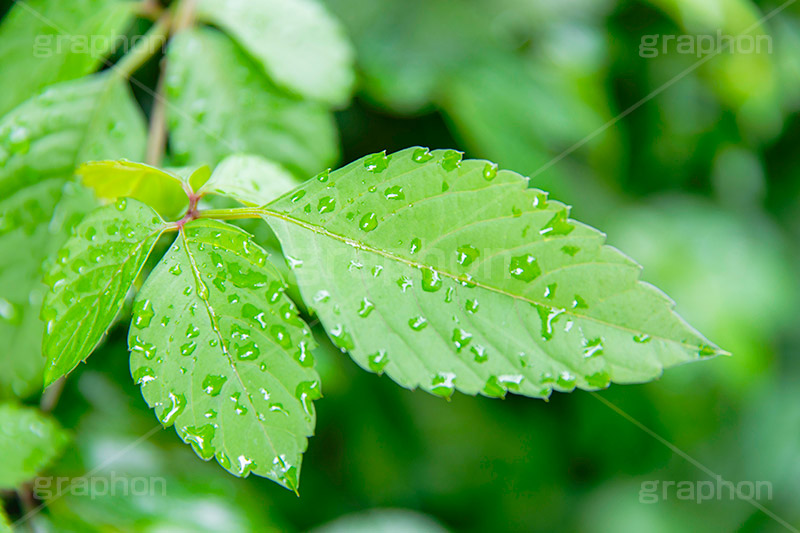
column 221, row 104
column 220, row 353
column 250, row 180
column 300, row 46
column 93, row 273
column 47, row 41
column 5, row 525
column 452, row 275
column 29, row 440
column 52, row 133
column 119, row 179
column 41, row 143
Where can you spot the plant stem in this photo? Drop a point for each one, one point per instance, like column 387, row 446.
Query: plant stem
column 153, row 40
column 157, row 134
column 232, row 214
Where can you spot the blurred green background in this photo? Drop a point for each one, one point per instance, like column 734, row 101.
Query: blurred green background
column 700, row 184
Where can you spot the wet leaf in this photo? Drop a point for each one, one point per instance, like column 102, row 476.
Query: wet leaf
column 250, row 180
column 29, row 441
column 222, row 104
column 221, row 354
column 300, row 46
column 45, row 41
column 92, row 274
column 41, row 143
column 454, row 275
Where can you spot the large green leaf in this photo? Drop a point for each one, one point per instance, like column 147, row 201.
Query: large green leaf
column 37, row 219
column 29, row 441
column 249, row 179
column 220, row 353
column 298, row 44
column 449, row 274
column 52, row 133
column 47, row 41
column 221, row 103
column 41, row 142
column 93, row 273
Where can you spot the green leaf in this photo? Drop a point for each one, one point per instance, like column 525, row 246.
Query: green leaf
column 119, row 179
column 47, row 41
column 52, row 133
column 41, row 142
column 28, row 222
column 250, row 180
column 220, row 353
column 222, row 104
column 297, row 42
column 29, row 441
column 93, row 273
column 449, row 274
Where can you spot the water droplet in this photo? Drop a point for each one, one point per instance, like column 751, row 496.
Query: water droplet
column 323, row 176
column 404, row 283
column 296, row 196
column 178, row 404
column 579, row 303
column 480, row 353
column 306, row 392
column 570, row 250
column 461, row 338
column 368, row 222
column 341, row 338
column 418, row 323
column 550, row 291
column 707, row 351
column 147, row 350
column 366, row 308
column 443, row 384
column 416, row 244
column 326, row 204
column 244, row 465
column 490, row 171
column 143, row 313
column 547, row 315
column 192, row 332
column 593, row 348
column 188, row 348
column 451, row 160
column 493, row 388
column 466, row 254
column 303, row 354
column 377, row 361
column 558, row 225
column 212, row 385
column 377, row 163
column 281, row 336
column 394, row 193
column 421, row 155
column 175, row 269
column 248, row 351
column 200, row 439
column 472, row 306
column 566, row 380
column 524, row 268
column 641, row 339
column 431, row 282
column 144, row 375
column 121, row 204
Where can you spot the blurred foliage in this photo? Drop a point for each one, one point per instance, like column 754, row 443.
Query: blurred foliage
column 699, row 181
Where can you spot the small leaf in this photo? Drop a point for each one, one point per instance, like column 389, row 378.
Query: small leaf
column 220, row 103
column 250, row 180
column 297, row 42
column 118, row 179
column 93, row 272
column 29, row 441
column 35, row 53
column 451, row 275
column 221, row 354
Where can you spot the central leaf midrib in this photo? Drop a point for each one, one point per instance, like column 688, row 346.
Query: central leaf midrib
column 413, row 264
